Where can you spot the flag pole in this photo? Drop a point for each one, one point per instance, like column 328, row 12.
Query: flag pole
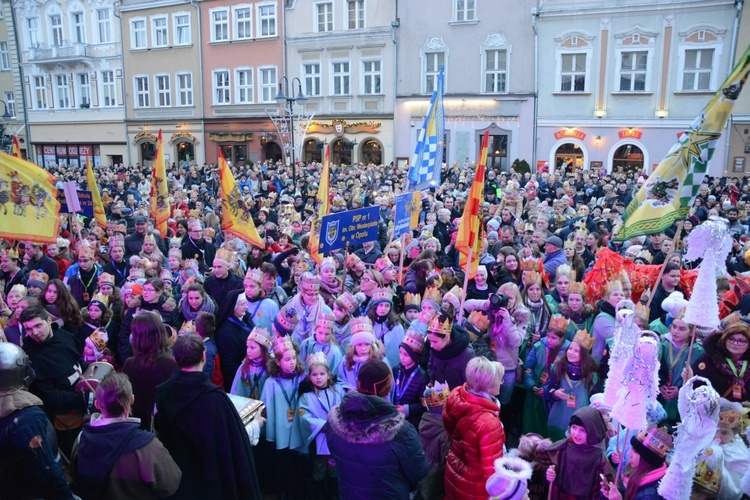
column 466, row 283
column 401, row 263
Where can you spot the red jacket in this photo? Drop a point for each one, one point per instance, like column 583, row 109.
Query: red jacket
column 473, row 424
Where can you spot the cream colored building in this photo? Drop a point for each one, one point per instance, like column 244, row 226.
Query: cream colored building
column 10, row 81
column 71, row 63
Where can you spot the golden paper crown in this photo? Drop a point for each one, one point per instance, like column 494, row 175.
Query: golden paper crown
column 39, row 276
column 351, row 261
column 412, row 300
column 564, row 270
column 569, row 244
column 309, row 282
column 106, row 279
column 255, row 275
column 645, row 256
column 583, row 339
column 382, row 294
column 613, row 286
column 479, row 321
column 578, row 287
column 319, row 358
column 102, row 299
column 530, row 264
column 261, row 336
column 642, row 312
column 19, row 289
column 224, row 254
column 435, row 396
column 432, row 293
column 11, row 253
column 558, row 323
column 301, row 266
column 187, row 328
column 209, row 232
column 150, row 238
column 439, row 327
column 414, row 340
column 657, row 440
column 360, row 324
column 729, row 419
column 533, row 278
column 582, row 231
column 326, row 321
column 706, row 478
column 348, row 302
column 194, row 214
column 281, row 344
column 99, row 338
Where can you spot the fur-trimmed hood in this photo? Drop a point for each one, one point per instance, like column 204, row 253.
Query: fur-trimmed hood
column 365, row 419
column 715, row 352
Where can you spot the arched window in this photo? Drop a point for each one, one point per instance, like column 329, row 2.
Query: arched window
column 147, row 152
column 627, row 158
column 341, row 152
column 313, row 151
column 568, row 158
column 372, row 152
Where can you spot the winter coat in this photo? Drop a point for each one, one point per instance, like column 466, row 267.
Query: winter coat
column 218, row 288
column 407, row 391
column 449, row 365
column 145, row 376
column 473, row 424
column 713, row 365
column 231, row 339
column 506, row 334
column 165, row 307
column 377, row 453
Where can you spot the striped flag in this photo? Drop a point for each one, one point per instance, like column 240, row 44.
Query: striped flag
column 324, row 206
column 470, row 230
column 427, row 162
column 99, row 215
column 235, row 216
column 669, row 192
column 159, row 199
column 15, row 149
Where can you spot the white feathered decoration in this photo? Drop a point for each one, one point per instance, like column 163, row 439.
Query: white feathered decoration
column 711, row 242
column 640, row 379
column 699, row 409
column 625, row 334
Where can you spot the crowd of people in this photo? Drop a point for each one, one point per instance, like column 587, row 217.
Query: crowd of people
column 381, row 374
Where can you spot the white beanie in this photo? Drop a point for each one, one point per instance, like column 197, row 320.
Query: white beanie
column 509, row 482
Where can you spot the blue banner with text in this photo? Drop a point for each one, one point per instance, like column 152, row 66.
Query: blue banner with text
column 353, row 227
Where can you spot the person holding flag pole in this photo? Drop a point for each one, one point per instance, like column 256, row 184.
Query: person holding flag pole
column 159, row 198
column 99, row 214
column 324, row 207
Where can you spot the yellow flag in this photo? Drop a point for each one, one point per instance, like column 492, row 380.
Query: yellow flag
column 29, row 209
column 15, row 150
column 159, row 199
column 324, row 206
column 235, row 215
column 469, row 231
column 99, row 215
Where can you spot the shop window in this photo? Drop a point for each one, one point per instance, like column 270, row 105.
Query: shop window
column 341, row 152
column 627, row 158
column 313, row 151
column 235, row 154
column 497, row 152
column 372, row 152
column 568, row 158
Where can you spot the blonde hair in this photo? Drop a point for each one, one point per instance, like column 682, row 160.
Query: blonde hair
column 481, row 374
column 512, row 289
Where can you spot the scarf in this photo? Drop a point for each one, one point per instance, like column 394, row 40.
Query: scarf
column 190, row 315
column 308, row 315
column 334, row 288
column 252, row 367
column 540, row 315
column 12, row 400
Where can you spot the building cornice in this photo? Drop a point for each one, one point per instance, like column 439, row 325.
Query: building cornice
column 151, row 4
column 354, row 37
column 599, row 10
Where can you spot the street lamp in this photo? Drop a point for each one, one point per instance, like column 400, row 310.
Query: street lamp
column 284, row 97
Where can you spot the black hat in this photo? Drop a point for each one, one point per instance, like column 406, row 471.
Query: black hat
column 140, row 220
column 374, row 378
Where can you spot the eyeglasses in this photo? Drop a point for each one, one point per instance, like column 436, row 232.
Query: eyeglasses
column 737, row 341
column 367, row 279
column 149, row 289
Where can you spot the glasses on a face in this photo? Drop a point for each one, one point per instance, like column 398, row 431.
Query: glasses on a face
column 368, row 279
column 737, row 341
column 149, row 289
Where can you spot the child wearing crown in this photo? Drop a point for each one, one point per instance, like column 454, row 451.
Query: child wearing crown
column 571, row 382
column 434, row 439
column 559, row 295
column 309, row 305
column 409, row 379
column 280, row 395
column 386, row 324
column 575, row 308
column 252, row 374
column 324, row 342
column 362, row 347
column 603, row 326
column 343, row 309
column 318, row 394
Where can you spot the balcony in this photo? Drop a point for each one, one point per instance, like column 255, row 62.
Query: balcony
column 69, row 52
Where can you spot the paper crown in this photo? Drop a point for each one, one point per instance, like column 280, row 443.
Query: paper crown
column 328, row 262
column 532, row 278
column 577, row 287
column 382, row 264
column 382, row 295
column 432, row 293
column 325, row 321
column 581, row 231
column 438, row 327
column 435, row 396
column 99, row 339
column 255, row 275
column 318, row 358
column 106, row 279
column 209, row 232
column 645, row 256
column 351, row 261
column 37, row 278
column 479, row 320
column 101, row 300
column 730, row 419
column 261, row 336
column 10, row 253
column 414, row 340
column 187, row 328
column 564, row 270
column 224, row 254
column 569, row 244
column 706, row 478
column 301, row 266
column 656, row 440
column 583, row 339
column 19, row 289
column 360, row 324
column 150, row 238
column 347, row 302
column 309, row 282
column 281, row 344
column 166, row 275
column 286, row 321
column 613, row 286
column 642, row 312
column 530, row 264
column 412, row 301
column 558, row 323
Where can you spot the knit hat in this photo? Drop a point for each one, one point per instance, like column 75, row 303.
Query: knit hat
column 492, row 235
column 362, row 332
column 452, row 297
column 509, row 482
column 413, row 344
column 380, row 296
column 37, row 278
column 653, row 445
column 285, row 321
column 131, row 288
column 106, row 279
column 374, row 378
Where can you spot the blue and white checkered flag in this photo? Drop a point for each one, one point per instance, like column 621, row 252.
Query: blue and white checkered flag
column 428, row 155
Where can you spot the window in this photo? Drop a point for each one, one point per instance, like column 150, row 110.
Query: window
column 221, row 87
column 56, row 30
column 10, row 101
column 4, row 57
column 159, row 33
column 496, row 71
column 633, row 69
column 243, row 22
column 78, row 27
column 163, row 91
column 63, row 91
column 433, row 62
column 104, row 25
column 32, row 31
column 109, row 93
column 464, row 10
column 182, row 35
column 142, row 95
column 220, row 25
column 184, row 89
column 311, row 75
column 268, row 83
column 340, row 77
column 266, row 20
column 573, row 73
column 244, row 85
column 40, row 93
column 355, row 14
column 371, row 75
column 324, row 16
column 138, row 34
column 698, row 68
column 84, row 88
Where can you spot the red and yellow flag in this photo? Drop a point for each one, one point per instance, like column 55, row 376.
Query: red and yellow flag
column 15, row 149
column 99, row 215
column 324, row 206
column 235, row 215
column 159, row 199
column 469, row 232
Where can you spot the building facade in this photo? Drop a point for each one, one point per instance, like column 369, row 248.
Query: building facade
column 72, row 75
column 488, row 83
column 161, row 47
column 619, row 82
column 11, row 94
